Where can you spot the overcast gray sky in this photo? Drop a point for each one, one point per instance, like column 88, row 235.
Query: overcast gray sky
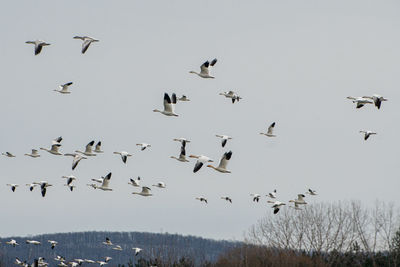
column 293, row 62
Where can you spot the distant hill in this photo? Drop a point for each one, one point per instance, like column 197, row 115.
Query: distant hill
column 88, row 245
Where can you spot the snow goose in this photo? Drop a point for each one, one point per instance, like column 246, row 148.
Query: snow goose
column 70, row 179
column 367, row 134
column 227, row 199
column 13, row 186
column 270, row 132
column 31, row 186
column 378, row 99
column 98, row 148
column 105, row 183
column 88, row 150
column 276, row 205
column 52, row 243
column 160, row 185
column 56, row 143
column 89, row 261
column 135, row 182
column 32, row 242
column 77, row 158
column 311, row 192
column 202, row 199
column 108, row 242
column 117, row 247
column 201, row 160
column 86, row 42
column 182, row 155
column 12, row 242
column 137, row 250
column 38, row 45
column 272, row 195
column 143, row 146
column 224, row 139
column 8, row 154
column 59, row 258
column 43, row 186
column 101, row 263
column 145, row 192
column 183, row 98
column 223, row 163
column 124, row 155
column 107, row 259
column 169, row 105
column 256, row 197
column 34, row 154
column 299, row 199
column 19, row 262
column 181, row 139
column 63, row 88
column 360, row 101
column 204, row 69
column 232, row 95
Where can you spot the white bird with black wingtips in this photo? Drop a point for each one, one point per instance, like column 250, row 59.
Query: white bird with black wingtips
column 378, row 99
column 105, row 184
column 224, row 139
column 276, row 205
column 272, row 194
column 201, row 160
column 182, row 155
column 359, row 101
column 232, row 95
column 137, row 250
column 38, row 45
column 223, row 163
column 202, row 199
column 98, row 148
column 13, row 186
column 70, row 179
column 64, row 88
column 143, row 146
column 8, row 154
column 270, row 132
column 227, row 199
column 34, row 154
column 43, row 186
column 204, row 69
column 256, row 197
column 160, row 185
column 135, row 182
column 86, row 42
column 124, row 155
column 77, row 158
column 169, row 105
column 146, row 192
column 367, row 134
column 56, row 143
column 88, row 150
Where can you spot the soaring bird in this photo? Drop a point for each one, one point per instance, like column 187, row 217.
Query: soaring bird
column 137, row 250
column 204, row 69
column 232, row 95
column 270, row 132
column 169, row 105
column 223, row 163
column 182, row 155
column 145, row 192
column 299, row 200
column 311, row 192
column 359, row 101
column 38, row 45
column 227, row 199
column 63, row 88
column 124, row 155
column 86, row 42
column 256, row 197
column 108, row 242
column 70, row 179
column 98, row 148
column 52, row 243
column 34, row 154
column 88, row 149
column 378, row 99
column 56, row 143
column 43, row 186
column 77, row 158
column 135, row 182
column 143, row 146
column 202, row 199
column 8, row 154
column 105, row 183
column 183, row 98
column 367, row 134
column 272, row 195
column 201, row 160
column 160, row 185
column 12, row 242
column 224, row 139
column 13, row 186
column 276, row 205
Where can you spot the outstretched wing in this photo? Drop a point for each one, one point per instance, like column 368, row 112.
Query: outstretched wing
column 225, row 159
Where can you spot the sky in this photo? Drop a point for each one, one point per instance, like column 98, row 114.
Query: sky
column 292, row 62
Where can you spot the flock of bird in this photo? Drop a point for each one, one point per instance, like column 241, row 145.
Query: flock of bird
column 62, row 262
column 169, row 103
